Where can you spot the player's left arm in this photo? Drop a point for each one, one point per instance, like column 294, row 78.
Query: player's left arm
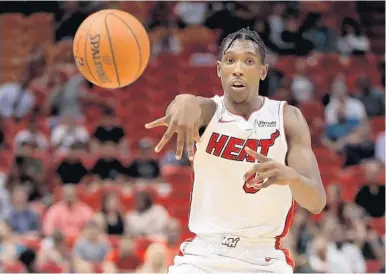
column 307, row 189
column 301, row 173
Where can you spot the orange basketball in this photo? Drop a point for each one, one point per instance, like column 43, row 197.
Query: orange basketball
column 111, row 48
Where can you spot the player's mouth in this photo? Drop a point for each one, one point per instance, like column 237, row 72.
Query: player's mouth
column 238, row 85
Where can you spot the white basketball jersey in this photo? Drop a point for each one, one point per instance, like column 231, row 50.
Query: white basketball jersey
column 221, row 203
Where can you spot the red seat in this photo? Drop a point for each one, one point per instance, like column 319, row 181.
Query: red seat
column 312, row 110
column 373, row 266
column 327, row 157
column 377, row 125
column 378, row 224
column 50, row 268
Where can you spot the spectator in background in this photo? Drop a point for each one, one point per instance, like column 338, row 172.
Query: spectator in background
column 110, row 217
column 323, row 36
column 125, row 257
column 2, row 135
column 144, row 167
column 191, row 13
column 342, row 256
column 173, row 240
column 71, row 170
column 66, row 98
column 164, row 39
column 284, row 93
column 371, row 196
column 272, row 82
column 155, row 260
column 381, row 70
column 343, row 113
column 67, row 215
column 91, row 251
column 28, row 170
column 293, row 35
column 380, row 147
column 335, row 203
column 356, row 146
column 55, row 258
column 352, row 40
column 372, row 98
column 10, row 249
column 147, row 218
column 23, row 220
column 159, row 15
column 302, row 87
column 108, row 167
column 68, row 133
column 109, row 131
column 170, row 159
column 16, row 99
column 276, row 25
column 5, row 205
column 31, row 136
column 318, row 260
column 298, row 239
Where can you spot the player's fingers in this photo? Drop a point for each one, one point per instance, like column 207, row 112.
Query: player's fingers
column 258, row 183
column 265, row 166
column 268, row 183
column 250, row 173
column 260, row 177
column 189, row 142
column 196, row 133
column 159, row 122
column 256, row 155
column 180, row 144
column 165, row 138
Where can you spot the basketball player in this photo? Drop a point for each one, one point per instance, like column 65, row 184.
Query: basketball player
column 252, row 160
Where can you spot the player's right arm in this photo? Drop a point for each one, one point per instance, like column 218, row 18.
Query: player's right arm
column 185, row 115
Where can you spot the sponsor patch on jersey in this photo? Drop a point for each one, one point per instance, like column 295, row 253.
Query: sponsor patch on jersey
column 266, row 124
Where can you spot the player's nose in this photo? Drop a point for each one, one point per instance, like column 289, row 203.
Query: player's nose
column 238, row 70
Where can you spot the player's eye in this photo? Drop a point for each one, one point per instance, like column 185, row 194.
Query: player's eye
column 229, row 60
column 250, row 61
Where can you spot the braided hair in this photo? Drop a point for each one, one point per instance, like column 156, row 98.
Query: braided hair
column 243, row 34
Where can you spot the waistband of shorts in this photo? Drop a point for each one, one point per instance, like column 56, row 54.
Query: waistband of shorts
column 242, row 241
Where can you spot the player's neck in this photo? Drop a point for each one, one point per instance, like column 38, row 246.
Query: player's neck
column 244, row 109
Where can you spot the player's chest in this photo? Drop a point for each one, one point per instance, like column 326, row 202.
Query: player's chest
column 229, row 142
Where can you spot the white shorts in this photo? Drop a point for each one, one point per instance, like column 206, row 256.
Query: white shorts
column 230, row 254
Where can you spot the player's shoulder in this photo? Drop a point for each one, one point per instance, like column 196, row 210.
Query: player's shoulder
column 294, row 121
column 292, row 112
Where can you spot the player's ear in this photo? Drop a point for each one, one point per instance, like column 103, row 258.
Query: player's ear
column 218, row 68
column 264, row 72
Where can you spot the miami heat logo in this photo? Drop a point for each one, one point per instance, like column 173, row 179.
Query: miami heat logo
column 232, row 148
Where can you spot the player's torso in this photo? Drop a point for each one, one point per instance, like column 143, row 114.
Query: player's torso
column 220, row 201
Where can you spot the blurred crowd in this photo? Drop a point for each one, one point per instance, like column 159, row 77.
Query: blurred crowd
column 79, row 192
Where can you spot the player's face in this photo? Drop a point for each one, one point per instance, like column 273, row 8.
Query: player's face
column 240, row 70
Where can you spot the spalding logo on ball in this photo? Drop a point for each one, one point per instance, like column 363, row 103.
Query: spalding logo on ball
column 111, row 48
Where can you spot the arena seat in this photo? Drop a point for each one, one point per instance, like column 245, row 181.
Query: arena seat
column 327, row 157
column 378, row 224
column 377, row 125
column 197, row 36
column 373, row 266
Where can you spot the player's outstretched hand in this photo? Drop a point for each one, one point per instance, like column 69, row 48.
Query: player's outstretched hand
column 183, row 117
column 268, row 172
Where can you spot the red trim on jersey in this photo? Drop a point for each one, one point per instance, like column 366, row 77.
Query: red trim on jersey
column 287, row 226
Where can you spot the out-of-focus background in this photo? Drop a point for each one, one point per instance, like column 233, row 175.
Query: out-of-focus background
column 80, row 187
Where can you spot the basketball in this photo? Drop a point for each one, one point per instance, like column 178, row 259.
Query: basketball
column 111, row 48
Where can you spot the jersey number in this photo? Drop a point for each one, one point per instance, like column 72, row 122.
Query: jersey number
column 250, row 190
